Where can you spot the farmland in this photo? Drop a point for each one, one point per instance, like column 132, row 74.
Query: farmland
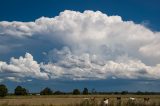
column 78, row 100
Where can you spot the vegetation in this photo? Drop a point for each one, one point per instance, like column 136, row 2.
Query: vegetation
column 74, row 98
column 3, row 90
column 90, row 102
column 76, row 92
column 46, row 91
column 20, row 91
column 85, row 91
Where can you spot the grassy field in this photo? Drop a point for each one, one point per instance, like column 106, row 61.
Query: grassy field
column 78, row 100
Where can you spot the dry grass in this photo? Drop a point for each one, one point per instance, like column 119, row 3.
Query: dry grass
column 78, row 100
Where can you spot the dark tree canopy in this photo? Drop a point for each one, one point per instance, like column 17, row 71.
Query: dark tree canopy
column 46, row 91
column 20, row 91
column 3, row 90
column 85, row 91
column 76, row 92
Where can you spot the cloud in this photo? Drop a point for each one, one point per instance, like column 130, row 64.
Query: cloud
column 16, row 29
column 73, row 67
column 21, row 68
column 13, row 79
column 147, row 50
column 80, row 31
column 1, row 80
column 90, row 67
column 88, row 45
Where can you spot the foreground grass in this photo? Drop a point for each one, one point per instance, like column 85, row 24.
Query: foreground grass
column 78, row 100
column 91, row 103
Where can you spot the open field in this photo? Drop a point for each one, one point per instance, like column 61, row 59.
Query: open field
column 63, row 100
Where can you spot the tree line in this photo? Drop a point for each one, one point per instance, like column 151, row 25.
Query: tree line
column 19, row 90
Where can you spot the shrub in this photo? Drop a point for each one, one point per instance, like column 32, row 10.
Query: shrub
column 3, row 90
column 46, row 91
column 85, row 91
column 76, row 92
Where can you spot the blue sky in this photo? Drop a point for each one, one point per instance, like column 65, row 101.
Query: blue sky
column 29, row 10
column 108, row 45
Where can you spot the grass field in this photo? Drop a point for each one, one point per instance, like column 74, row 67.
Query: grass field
column 78, row 100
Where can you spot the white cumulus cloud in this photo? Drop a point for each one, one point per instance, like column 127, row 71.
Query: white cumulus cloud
column 88, row 45
column 22, row 67
column 89, row 67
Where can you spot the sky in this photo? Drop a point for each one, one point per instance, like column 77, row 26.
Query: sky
column 107, row 45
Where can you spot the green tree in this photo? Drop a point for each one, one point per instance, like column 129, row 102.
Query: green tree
column 46, row 91
column 3, row 90
column 76, row 92
column 85, row 91
column 20, row 91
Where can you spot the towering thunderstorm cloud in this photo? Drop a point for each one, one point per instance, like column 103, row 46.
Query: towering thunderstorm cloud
column 83, row 46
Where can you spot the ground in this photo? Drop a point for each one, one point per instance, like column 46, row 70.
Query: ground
column 71, row 99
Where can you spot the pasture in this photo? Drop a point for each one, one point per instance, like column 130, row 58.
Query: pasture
column 79, row 100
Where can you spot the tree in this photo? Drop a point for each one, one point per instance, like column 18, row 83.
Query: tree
column 3, row 90
column 76, row 92
column 124, row 92
column 20, row 91
column 85, row 91
column 46, row 91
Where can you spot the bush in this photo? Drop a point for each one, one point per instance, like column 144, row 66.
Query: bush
column 85, row 91
column 46, row 91
column 76, row 92
column 3, row 90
